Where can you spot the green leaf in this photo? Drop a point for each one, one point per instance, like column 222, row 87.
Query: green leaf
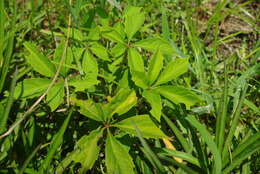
column 68, row 59
column 155, row 66
column 178, row 94
column 135, row 60
column 124, row 82
column 152, row 44
column 30, row 88
column 100, row 51
column 117, row 158
column 112, row 35
column 155, row 101
column 122, row 102
column 94, row 34
column 78, row 53
column 38, row 61
column 55, row 143
column 65, row 162
column 87, row 150
column 118, row 50
column 140, row 79
column 115, row 65
column 173, row 70
column 136, row 65
column 144, row 123
column 118, row 26
column 76, row 34
column 134, row 19
column 90, row 68
column 82, row 84
column 209, row 140
column 55, row 96
column 87, row 108
column 90, row 65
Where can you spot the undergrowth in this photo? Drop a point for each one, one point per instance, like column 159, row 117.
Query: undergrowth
column 125, row 87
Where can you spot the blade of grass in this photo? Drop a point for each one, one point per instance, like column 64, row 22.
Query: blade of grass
column 209, row 141
column 242, row 156
column 198, row 54
column 204, row 163
column 235, row 118
column 55, row 144
column 146, row 154
column 165, row 25
column 177, row 132
column 221, row 121
column 8, row 53
column 28, row 160
column 175, row 163
column 149, row 150
column 4, row 117
column 182, row 155
column 217, row 15
column 243, row 146
column 2, row 38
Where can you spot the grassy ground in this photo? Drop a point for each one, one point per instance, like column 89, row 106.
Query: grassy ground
column 129, row 86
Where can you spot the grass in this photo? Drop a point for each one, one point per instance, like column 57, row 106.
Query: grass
column 77, row 76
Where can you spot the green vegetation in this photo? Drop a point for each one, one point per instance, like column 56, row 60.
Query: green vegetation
column 129, row 87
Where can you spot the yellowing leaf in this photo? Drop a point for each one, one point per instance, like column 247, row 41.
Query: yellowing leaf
column 170, row 146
